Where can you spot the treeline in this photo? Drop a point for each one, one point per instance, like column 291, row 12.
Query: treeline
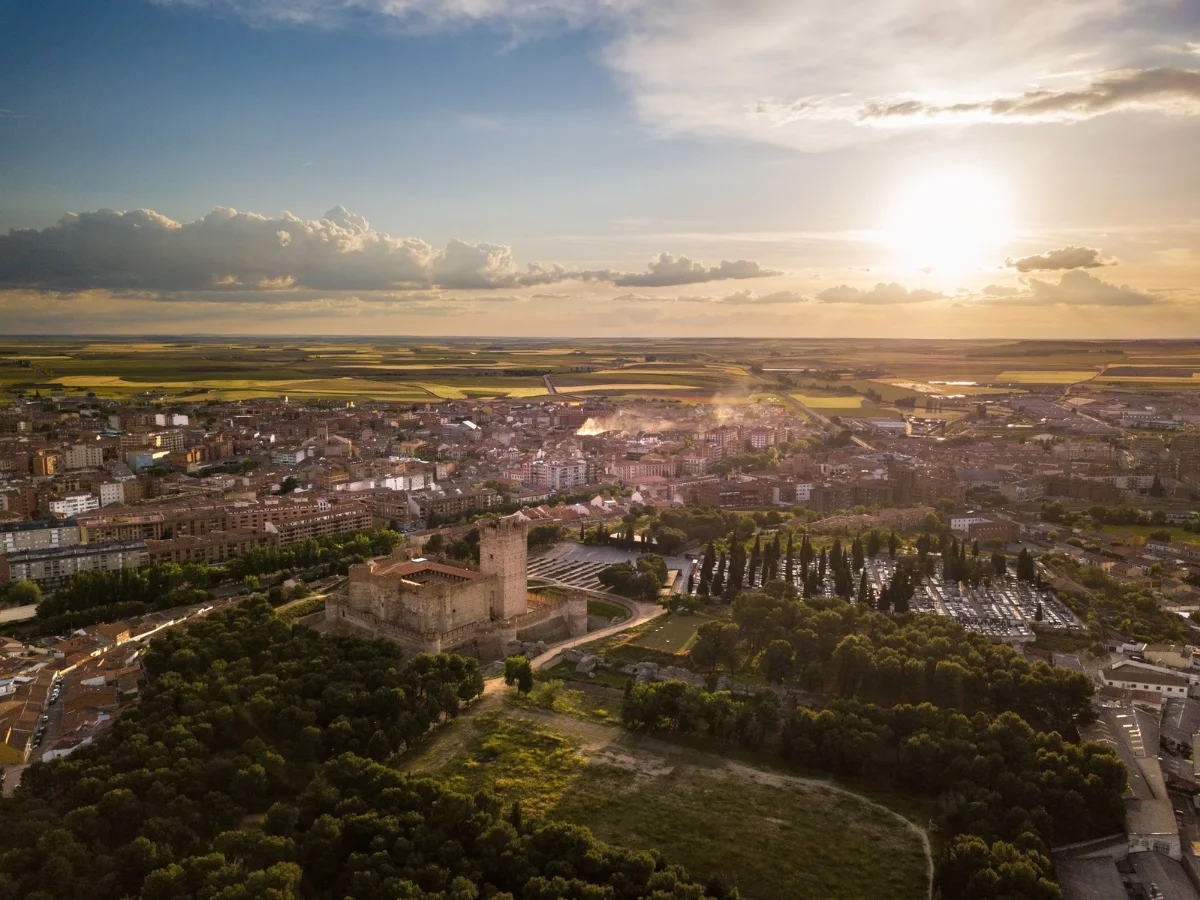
column 1121, row 514
column 1006, row 792
column 92, row 597
column 250, row 768
column 641, row 580
column 850, row 650
column 723, row 575
column 330, row 555
column 102, row 596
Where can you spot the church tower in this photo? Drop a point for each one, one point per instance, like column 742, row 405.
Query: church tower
column 502, row 554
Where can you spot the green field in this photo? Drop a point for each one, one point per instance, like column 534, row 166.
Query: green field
column 775, row 837
column 670, row 633
column 603, row 609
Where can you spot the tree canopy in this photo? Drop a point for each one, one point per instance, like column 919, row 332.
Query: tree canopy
column 250, row 768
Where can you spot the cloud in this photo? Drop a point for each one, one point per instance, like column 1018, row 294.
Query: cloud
column 815, row 75
column 1066, row 258
column 233, row 252
column 749, row 298
column 1168, row 90
column 647, row 298
column 882, row 294
column 1000, row 290
column 666, row 271
column 1078, row 288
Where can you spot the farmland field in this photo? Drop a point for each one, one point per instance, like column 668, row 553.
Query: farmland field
column 832, row 401
column 1053, row 376
column 420, row 370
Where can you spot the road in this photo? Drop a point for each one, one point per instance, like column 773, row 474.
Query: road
column 550, row 388
column 822, row 420
column 644, row 612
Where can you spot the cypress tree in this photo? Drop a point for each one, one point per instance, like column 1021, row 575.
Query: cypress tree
column 864, row 589
column 885, row 599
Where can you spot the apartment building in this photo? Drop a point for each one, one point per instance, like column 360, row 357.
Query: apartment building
column 45, row 463
column 322, row 523
column 16, row 537
column 54, row 566
column 560, row 474
column 83, row 456
column 104, row 528
column 73, row 505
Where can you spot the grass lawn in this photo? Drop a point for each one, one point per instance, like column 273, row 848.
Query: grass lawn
column 670, row 633
column 604, row 610
column 775, row 838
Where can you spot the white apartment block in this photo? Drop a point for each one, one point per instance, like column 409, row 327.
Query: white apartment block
column 963, row 523
column 561, row 474
column 762, row 437
column 112, row 492
column 170, row 420
column 73, row 505
column 84, row 456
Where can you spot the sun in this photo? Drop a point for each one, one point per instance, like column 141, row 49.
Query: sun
column 951, row 221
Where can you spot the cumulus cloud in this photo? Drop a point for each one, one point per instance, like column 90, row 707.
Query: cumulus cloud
column 1166, row 89
column 666, row 270
column 814, row 75
column 1052, row 260
column 232, row 252
column 882, row 294
column 1078, row 288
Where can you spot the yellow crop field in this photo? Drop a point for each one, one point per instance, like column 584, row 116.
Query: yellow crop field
column 830, row 402
column 617, row 388
column 1051, row 376
column 444, row 391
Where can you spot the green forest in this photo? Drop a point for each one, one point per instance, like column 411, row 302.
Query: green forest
column 253, row 767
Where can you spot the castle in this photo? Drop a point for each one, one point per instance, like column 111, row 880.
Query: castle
column 428, row 607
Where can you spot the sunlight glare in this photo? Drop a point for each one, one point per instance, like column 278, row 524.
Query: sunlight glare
column 950, row 222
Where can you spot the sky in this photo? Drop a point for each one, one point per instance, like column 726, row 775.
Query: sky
column 903, row 168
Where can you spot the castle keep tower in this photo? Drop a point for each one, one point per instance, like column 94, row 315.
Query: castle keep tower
column 502, row 555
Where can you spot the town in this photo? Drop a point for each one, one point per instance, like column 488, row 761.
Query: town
column 1062, row 524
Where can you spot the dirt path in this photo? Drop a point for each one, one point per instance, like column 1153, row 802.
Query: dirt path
column 452, row 737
